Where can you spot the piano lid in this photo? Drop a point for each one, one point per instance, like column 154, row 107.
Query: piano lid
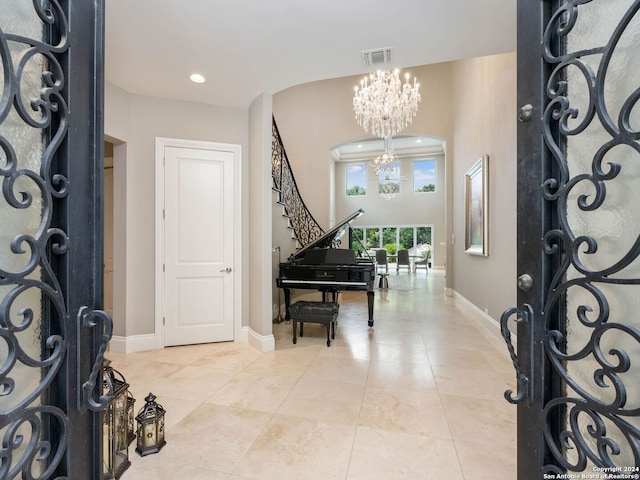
column 330, row 238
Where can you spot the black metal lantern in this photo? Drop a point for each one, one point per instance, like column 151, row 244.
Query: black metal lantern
column 131, row 433
column 115, row 426
column 150, row 427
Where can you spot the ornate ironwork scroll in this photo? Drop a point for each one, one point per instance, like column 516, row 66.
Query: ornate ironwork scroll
column 33, row 310
column 304, row 226
column 591, row 131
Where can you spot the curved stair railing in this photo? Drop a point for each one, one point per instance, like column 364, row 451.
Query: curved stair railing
column 305, row 228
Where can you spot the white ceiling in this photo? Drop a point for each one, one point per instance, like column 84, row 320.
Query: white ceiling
column 248, row 47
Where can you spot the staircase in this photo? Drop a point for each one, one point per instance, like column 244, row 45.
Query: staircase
column 304, row 227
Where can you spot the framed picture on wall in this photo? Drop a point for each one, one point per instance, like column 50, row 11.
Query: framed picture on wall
column 476, row 191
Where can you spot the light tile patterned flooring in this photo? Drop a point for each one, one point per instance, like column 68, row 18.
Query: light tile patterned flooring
column 420, row 398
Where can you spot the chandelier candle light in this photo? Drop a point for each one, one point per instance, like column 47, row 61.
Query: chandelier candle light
column 383, row 105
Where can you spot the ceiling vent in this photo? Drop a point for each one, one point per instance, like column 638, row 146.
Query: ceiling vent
column 374, row 58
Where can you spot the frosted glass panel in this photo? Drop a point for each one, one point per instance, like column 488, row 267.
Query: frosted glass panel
column 599, row 312
column 21, row 218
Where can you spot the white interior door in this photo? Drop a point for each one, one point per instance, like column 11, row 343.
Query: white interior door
column 198, row 246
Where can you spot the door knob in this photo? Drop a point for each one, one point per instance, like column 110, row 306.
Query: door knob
column 525, row 282
column 226, row 270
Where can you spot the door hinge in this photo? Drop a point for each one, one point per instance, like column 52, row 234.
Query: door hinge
column 163, row 266
column 163, row 213
column 163, row 321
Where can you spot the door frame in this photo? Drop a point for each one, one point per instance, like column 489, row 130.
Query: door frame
column 238, row 267
column 532, row 17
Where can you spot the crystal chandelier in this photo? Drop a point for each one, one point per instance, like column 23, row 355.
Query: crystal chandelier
column 388, row 191
column 385, row 162
column 387, row 165
column 383, row 106
column 389, row 186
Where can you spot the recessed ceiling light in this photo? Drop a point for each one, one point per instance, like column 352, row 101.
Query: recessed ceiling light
column 197, row 78
column 419, row 140
column 360, row 146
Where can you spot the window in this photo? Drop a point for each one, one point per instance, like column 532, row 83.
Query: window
column 357, row 239
column 372, row 238
column 356, row 180
column 424, row 235
column 389, row 239
column 406, row 240
column 392, row 237
column 424, row 176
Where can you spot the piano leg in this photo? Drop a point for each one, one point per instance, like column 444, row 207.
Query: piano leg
column 287, row 303
column 370, row 298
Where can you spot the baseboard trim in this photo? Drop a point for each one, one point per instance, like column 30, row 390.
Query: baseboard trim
column 242, row 335
column 486, row 320
column 132, row 343
column 143, row 343
column 262, row 343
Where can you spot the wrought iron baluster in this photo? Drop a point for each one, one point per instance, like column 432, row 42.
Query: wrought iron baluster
column 305, row 228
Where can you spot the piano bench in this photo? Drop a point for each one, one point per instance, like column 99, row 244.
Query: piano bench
column 325, row 313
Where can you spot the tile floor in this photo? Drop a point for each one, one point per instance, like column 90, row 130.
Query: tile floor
column 420, row 398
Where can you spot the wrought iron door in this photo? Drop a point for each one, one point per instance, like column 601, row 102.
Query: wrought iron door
column 578, row 324
column 51, row 336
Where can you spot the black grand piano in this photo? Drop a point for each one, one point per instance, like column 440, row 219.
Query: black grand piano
column 321, row 266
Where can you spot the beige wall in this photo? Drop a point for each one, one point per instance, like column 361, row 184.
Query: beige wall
column 134, row 121
column 484, row 107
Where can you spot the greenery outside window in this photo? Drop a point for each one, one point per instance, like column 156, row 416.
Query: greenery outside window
column 356, row 180
column 372, row 238
column 357, row 239
column 423, row 235
column 406, row 238
column 391, row 237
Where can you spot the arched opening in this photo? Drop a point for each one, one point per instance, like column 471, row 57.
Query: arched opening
column 401, row 199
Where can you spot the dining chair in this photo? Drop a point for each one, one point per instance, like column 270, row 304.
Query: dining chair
column 381, row 259
column 424, row 262
column 403, row 260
